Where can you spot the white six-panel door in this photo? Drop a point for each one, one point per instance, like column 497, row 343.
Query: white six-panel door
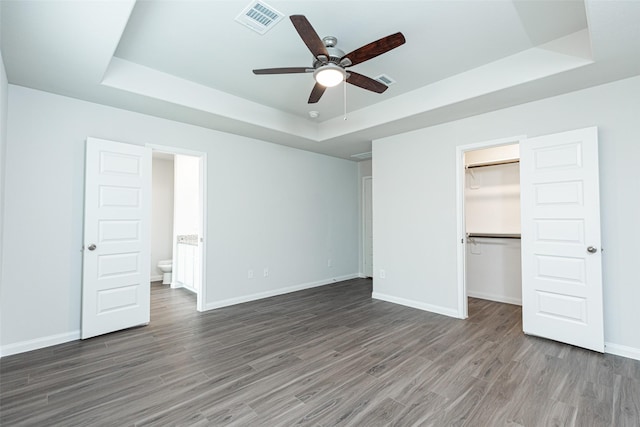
column 116, row 253
column 561, row 260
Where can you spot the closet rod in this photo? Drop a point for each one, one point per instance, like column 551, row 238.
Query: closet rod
column 499, row 162
column 494, row 235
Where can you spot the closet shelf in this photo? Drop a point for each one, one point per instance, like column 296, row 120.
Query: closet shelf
column 498, row 162
column 494, row 235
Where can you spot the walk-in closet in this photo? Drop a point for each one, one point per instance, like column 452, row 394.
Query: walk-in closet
column 492, row 224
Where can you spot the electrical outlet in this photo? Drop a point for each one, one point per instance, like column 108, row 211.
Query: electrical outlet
column 266, row 272
column 383, row 274
column 329, row 262
column 250, row 274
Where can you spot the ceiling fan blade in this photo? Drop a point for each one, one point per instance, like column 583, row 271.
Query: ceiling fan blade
column 316, row 93
column 366, row 82
column 375, row 48
column 309, row 35
column 283, row 70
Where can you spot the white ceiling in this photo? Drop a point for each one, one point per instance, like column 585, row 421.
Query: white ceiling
column 191, row 61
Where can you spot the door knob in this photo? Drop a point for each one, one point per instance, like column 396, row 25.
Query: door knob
column 92, row 247
column 592, row 250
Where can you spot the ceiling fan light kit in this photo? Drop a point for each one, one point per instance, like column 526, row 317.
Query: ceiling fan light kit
column 330, row 63
column 330, row 75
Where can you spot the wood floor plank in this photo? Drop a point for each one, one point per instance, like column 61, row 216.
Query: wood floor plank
column 627, row 403
column 494, row 407
column 429, row 406
column 595, row 405
column 460, row 410
column 381, row 414
column 324, row 356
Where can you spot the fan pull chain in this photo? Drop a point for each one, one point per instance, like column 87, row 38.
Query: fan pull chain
column 344, row 84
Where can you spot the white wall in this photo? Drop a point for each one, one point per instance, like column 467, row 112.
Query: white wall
column 3, row 150
column 365, row 168
column 415, row 234
column 492, row 199
column 270, row 206
column 161, row 214
column 494, row 270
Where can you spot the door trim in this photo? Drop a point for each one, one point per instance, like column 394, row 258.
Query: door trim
column 460, row 213
column 201, row 296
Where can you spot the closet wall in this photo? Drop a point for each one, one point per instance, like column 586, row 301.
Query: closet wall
column 492, row 208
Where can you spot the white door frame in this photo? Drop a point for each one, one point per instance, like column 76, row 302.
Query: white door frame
column 460, row 212
column 363, row 240
column 201, row 295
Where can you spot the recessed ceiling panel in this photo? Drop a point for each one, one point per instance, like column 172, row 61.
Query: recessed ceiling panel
column 199, row 41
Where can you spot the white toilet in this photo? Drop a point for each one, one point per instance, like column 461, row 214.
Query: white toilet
column 165, row 267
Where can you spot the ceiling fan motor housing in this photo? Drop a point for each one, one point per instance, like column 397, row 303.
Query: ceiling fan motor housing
column 335, row 54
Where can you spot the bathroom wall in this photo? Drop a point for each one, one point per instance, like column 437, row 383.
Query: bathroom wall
column 187, row 222
column 161, row 213
column 187, row 195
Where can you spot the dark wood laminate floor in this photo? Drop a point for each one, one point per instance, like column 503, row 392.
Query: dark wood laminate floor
column 325, row 356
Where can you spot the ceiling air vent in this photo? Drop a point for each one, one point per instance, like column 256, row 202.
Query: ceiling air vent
column 383, row 78
column 362, row 156
column 259, row 16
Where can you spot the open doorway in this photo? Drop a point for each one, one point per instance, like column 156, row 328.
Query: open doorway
column 489, row 196
column 561, row 278
column 178, row 221
column 492, row 222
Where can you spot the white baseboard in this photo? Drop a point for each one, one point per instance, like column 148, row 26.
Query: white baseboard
column 497, row 298
column 156, row 278
column 190, row 289
column 38, row 343
column 35, row 344
column 416, row 304
column 622, row 350
column 274, row 292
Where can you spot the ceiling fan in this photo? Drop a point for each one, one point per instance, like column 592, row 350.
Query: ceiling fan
column 330, row 63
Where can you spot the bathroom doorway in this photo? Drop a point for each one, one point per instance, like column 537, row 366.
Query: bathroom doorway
column 177, row 220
